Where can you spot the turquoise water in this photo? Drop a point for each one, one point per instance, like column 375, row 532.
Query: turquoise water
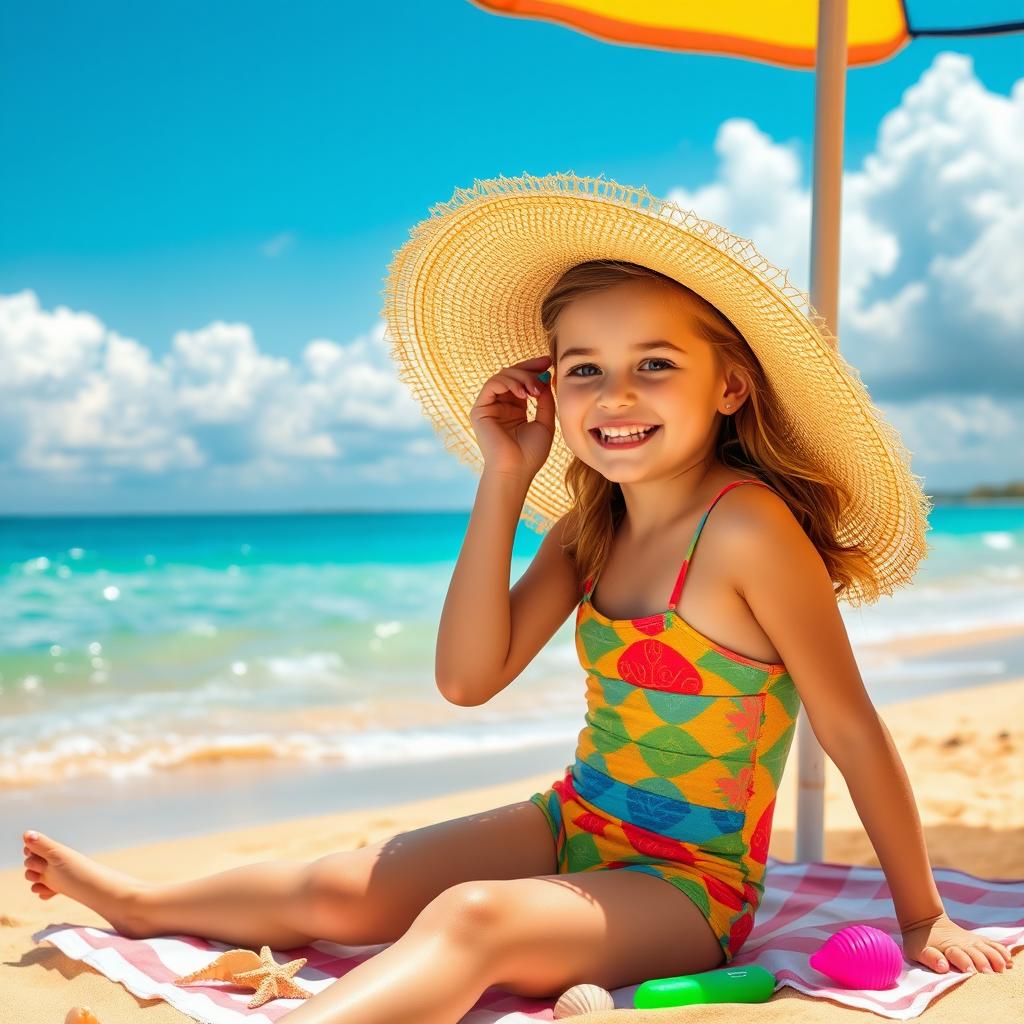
column 140, row 643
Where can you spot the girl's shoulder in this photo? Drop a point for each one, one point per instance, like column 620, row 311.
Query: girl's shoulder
column 760, row 512
column 758, row 531
column 743, row 516
column 747, row 501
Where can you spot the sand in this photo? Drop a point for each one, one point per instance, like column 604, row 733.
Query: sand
column 963, row 753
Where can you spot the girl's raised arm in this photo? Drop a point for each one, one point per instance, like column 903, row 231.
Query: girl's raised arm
column 475, row 629
column 473, row 637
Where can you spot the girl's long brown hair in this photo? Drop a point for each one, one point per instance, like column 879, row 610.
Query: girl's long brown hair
column 754, row 440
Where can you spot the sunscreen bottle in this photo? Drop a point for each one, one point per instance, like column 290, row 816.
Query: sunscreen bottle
column 748, row 984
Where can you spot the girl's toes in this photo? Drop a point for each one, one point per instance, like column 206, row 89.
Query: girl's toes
column 38, row 843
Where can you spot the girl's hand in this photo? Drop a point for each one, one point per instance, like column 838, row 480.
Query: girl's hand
column 510, row 442
column 943, row 944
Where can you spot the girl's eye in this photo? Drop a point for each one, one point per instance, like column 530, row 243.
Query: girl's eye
column 572, row 372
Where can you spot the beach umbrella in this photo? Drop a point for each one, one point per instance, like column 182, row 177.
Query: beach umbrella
column 820, row 35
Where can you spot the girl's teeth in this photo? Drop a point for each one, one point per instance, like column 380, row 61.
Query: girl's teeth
column 623, row 438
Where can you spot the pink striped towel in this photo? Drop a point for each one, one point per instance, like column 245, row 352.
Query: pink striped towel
column 803, row 904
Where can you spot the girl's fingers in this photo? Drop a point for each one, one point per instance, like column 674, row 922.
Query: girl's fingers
column 496, row 386
column 517, row 379
column 1000, row 953
column 523, row 381
column 515, row 385
column 979, row 954
column 976, row 958
column 958, row 958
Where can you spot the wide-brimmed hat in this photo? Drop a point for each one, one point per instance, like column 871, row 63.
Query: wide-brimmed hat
column 462, row 299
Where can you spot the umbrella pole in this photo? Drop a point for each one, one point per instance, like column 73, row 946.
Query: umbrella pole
column 826, row 215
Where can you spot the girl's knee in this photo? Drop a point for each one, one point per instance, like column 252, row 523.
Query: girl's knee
column 491, row 921
column 471, row 912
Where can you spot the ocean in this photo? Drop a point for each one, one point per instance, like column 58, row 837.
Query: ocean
column 135, row 646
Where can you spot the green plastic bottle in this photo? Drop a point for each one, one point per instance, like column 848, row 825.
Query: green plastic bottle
column 749, row 984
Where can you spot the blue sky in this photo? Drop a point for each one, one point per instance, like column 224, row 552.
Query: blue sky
column 199, row 201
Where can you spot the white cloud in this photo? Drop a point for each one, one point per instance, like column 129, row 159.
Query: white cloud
column 931, row 313
column 80, row 400
column 932, row 280
column 45, row 355
column 972, row 437
column 222, row 376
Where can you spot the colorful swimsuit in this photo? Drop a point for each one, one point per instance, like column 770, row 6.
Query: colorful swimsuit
column 679, row 762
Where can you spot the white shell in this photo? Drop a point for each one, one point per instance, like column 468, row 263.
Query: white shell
column 583, row 999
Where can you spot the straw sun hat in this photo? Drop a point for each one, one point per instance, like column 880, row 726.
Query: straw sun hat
column 463, row 297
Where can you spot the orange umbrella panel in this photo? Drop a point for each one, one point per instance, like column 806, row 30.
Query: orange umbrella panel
column 776, row 31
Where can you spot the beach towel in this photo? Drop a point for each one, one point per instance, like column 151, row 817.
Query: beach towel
column 804, row 903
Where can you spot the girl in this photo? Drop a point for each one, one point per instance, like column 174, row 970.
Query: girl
column 675, row 431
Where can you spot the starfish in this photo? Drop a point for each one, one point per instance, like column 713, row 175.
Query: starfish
column 270, row 979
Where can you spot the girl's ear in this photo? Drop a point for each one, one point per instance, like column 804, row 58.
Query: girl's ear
column 738, row 387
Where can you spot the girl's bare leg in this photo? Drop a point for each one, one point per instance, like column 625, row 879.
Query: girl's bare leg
column 358, row 897
column 252, row 905
column 433, row 974
column 532, row 937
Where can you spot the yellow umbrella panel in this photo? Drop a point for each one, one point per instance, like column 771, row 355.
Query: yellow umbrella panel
column 776, row 31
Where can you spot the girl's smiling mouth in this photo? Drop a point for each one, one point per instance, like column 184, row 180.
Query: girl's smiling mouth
column 623, row 442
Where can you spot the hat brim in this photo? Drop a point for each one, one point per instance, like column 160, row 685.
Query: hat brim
column 463, row 298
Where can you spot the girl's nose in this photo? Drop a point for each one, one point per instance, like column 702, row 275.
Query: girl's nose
column 616, row 389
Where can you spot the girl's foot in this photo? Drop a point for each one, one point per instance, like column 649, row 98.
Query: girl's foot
column 55, row 868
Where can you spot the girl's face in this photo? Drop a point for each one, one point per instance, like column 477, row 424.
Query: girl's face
column 622, row 377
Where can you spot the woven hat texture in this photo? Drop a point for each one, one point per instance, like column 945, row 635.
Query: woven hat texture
column 462, row 299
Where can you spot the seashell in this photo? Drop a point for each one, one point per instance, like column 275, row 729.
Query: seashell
column 859, row 956
column 81, row 1015
column 270, row 979
column 583, row 999
column 224, row 968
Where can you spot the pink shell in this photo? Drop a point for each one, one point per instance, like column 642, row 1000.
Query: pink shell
column 859, row 957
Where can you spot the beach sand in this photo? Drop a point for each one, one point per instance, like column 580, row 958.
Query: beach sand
column 963, row 752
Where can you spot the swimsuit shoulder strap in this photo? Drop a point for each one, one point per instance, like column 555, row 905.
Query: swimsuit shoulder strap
column 680, row 579
column 591, row 581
